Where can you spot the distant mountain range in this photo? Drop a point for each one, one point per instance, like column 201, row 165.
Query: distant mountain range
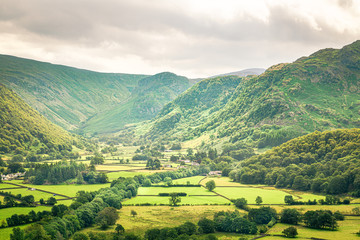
column 86, row 101
column 244, row 73
column 318, row 92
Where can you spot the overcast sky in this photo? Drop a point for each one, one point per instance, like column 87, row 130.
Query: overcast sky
column 194, row 38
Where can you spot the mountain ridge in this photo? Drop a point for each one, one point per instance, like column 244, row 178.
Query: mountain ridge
column 318, row 92
column 70, row 97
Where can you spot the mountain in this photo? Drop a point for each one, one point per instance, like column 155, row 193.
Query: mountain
column 325, row 162
column 86, row 101
column 244, row 73
column 145, row 101
column 24, row 129
column 318, row 92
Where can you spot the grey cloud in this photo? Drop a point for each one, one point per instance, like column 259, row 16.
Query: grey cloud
column 163, row 34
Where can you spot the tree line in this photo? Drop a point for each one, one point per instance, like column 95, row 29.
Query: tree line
column 326, row 162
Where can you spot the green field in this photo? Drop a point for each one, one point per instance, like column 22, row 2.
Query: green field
column 4, row 185
column 345, row 209
column 188, row 190
column 346, row 231
column 8, row 212
column 37, row 194
column 225, row 182
column 68, row 190
column 250, row 194
column 5, row 232
column 162, row 216
column 195, row 200
column 193, row 180
column 118, row 167
column 115, row 175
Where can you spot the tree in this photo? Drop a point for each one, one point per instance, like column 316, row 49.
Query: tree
column 289, row 199
column 80, row 236
column 119, row 229
column 107, row 217
column 240, row 203
column 133, row 213
column 262, row 215
column 18, row 234
column 258, row 200
column 168, row 181
column 290, row 232
column 210, row 185
column 290, row 216
column 36, row 232
column 206, row 226
column 320, row 219
column 51, row 201
column 79, row 178
column 174, row 199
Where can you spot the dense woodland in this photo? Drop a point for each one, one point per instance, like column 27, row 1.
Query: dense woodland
column 325, row 162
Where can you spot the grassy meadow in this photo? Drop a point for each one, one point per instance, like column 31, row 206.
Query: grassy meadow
column 8, row 212
column 346, row 230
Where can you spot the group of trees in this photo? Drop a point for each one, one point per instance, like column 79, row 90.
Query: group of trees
column 10, row 200
column 324, row 162
column 87, row 209
column 314, row 219
column 60, row 172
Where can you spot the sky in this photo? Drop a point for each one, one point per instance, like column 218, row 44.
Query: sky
column 193, row 38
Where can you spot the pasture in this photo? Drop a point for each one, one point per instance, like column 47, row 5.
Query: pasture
column 346, row 230
column 37, row 194
column 250, row 194
column 5, row 232
column 8, row 212
column 162, row 216
column 115, row 175
column 113, row 167
column 188, row 190
column 192, row 180
column 67, row 190
column 192, row 200
column 344, row 209
column 225, row 182
column 4, row 185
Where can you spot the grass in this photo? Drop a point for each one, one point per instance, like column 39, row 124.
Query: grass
column 225, row 182
column 188, row 190
column 4, row 185
column 117, row 167
column 345, row 209
column 37, row 194
column 5, row 232
column 115, row 175
column 193, row 180
column 8, row 212
column 250, row 194
column 163, row 216
column 346, row 231
column 68, row 190
column 195, row 200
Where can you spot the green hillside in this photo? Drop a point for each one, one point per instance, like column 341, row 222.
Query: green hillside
column 86, row 101
column 145, row 101
column 24, row 129
column 321, row 161
column 66, row 96
column 193, row 107
column 318, row 92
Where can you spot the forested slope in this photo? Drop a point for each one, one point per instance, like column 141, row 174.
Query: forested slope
column 23, row 129
column 319, row 92
column 326, row 162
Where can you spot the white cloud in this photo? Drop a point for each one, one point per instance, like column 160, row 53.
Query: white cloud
column 193, row 38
